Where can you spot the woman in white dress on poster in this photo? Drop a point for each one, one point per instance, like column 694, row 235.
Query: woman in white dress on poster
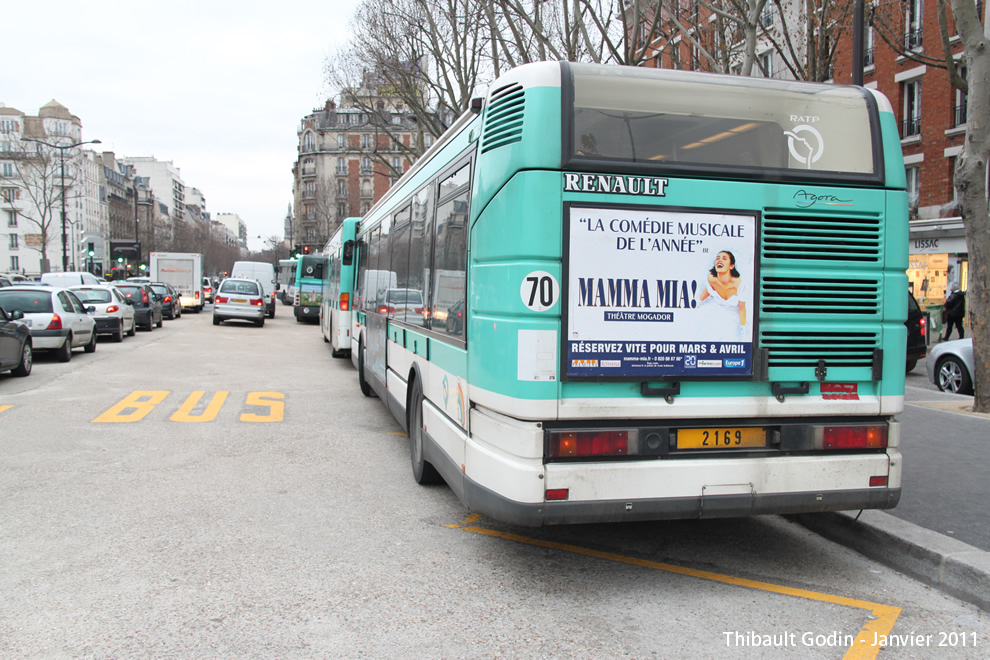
column 724, row 299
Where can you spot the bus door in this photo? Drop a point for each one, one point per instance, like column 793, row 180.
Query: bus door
column 378, row 280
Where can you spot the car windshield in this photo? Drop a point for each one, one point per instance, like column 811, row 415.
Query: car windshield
column 246, row 288
column 130, row 291
column 93, row 295
column 405, row 296
column 29, row 302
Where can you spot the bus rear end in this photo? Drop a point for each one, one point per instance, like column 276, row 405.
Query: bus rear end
column 690, row 305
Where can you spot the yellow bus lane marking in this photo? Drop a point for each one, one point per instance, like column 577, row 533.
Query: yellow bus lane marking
column 184, row 414
column 6, row 407
column 139, row 402
column 276, row 408
column 862, row 648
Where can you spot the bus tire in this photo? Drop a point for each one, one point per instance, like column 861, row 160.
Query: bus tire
column 365, row 386
column 423, row 471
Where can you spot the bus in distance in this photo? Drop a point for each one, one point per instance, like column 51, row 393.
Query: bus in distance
column 338, row 282
column 308, row 289
column 650, row 294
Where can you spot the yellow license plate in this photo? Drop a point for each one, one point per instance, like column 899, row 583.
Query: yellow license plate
column 721, row 438
column 240, row 300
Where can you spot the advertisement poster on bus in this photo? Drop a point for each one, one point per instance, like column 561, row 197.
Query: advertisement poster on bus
column 659, row 294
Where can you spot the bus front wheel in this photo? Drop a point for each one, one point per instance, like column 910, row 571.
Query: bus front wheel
column 423, row 471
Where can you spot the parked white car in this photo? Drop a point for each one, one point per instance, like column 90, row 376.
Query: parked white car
column 56, row 317
column 113, row 314
column 950, row 366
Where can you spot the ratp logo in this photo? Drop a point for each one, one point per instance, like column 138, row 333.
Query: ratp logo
column 805, row 144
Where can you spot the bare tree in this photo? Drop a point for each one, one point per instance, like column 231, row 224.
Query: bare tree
column 971, row 185
column 38, row 181
column 325, row 209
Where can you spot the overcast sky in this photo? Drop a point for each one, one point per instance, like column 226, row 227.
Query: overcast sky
column 217, row 87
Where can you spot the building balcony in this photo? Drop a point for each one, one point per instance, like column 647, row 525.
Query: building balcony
column 959, row 115
column 910, row 127
column 913, row 38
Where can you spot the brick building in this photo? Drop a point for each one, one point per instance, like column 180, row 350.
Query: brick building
column 932, row 119
column 348, row 158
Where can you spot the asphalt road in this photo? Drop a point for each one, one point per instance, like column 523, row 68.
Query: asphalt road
column 203, row 492
column 946, row 454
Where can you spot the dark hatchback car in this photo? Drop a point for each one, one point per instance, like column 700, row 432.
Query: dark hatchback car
column 171, row 306
column 16, row 355
column 917, row 335
column 147, row 304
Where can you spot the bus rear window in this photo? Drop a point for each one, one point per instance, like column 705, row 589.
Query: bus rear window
column 760, row 128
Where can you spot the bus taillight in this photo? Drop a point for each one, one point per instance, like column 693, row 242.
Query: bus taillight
column 854, row 437
column 345, row 302
column 585, row 444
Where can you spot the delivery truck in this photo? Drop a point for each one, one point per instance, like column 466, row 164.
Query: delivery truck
column 184, row 271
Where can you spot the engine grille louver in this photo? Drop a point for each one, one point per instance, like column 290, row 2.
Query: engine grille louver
column 854, row 239
column 504, row 117
column 805, row 349
column 841, row 284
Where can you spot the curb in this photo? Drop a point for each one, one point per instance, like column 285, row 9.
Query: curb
column 952, row 566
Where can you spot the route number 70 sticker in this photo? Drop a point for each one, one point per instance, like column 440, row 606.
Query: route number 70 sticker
column 539, row 291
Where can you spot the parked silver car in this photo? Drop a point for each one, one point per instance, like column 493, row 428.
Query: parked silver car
column 950, row 366
column 57, row 319
column 239, row 298
column 114, row 315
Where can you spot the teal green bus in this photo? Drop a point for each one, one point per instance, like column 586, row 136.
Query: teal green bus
column 338, row 286
column 618, row 294
column 308, row 296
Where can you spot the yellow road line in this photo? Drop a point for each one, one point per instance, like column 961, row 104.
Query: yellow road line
column 862, row 648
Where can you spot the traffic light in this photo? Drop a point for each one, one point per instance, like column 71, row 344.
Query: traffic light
column 90, row 249
column 305, row 249
column 296, row 251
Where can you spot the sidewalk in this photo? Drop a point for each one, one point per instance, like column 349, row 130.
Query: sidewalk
column 949, row 565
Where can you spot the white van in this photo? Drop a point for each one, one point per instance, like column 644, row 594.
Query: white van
column 65, row 280
column 264, row 273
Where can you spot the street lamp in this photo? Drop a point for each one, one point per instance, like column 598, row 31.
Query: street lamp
column 61, row 161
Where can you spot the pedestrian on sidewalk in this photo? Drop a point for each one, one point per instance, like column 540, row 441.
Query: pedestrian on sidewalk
column 954, row 311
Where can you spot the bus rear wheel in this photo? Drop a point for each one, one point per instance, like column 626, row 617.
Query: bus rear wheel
column 423, row 471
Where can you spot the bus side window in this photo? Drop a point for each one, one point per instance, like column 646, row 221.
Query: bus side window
column 451, row 262
column 400, row 264
column 421, row 246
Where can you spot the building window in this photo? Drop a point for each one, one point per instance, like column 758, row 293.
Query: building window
column 15, row 264
column 342, row 187
column 341, row 210
column 428, row 140
column 766, row 63
column 9, row 170
column 12, row 241
column 341, row 141
column 913, row 175
column 396, row 164
column 309, row 142
column 11, row 218
column 366, row 190
column 868, row 48
column 366, row 165
column 767, row 17
column 912, row 108
column 342, row 166
column 366, row 141
column 913, row 17
column 959, row 109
